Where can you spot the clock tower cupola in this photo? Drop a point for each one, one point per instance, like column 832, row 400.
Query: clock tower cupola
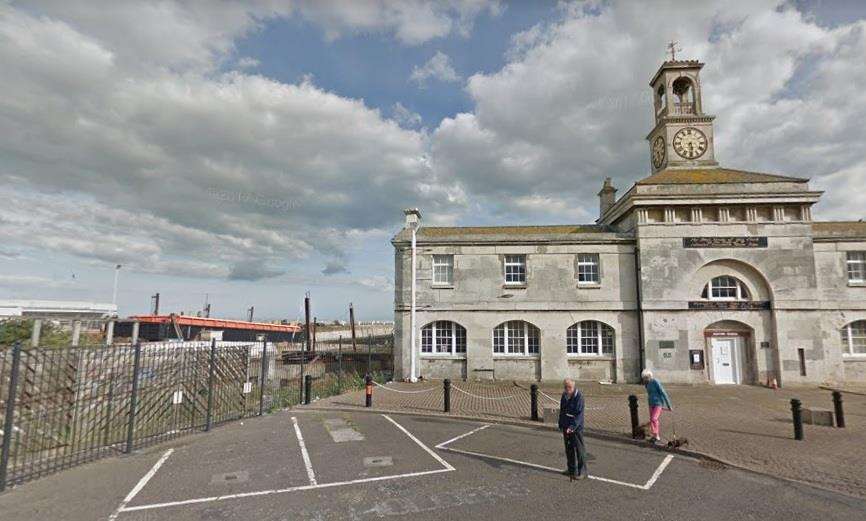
column 683, row 134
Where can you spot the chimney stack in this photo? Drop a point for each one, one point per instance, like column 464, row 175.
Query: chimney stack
column 413, row 218
column 606, row 197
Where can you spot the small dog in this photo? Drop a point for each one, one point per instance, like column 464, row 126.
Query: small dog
column 677, row 443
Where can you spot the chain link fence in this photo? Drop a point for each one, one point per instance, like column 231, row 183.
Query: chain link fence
column 62, row 407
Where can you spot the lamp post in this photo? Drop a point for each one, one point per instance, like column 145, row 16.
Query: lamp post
column 413, row 221
column 114, row 293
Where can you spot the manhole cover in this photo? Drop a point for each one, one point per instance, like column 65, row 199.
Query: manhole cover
column 230, row 477
column 378, row 461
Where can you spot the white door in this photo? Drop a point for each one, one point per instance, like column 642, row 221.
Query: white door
column 724, row 360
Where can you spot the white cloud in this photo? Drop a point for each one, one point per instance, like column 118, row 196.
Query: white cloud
column 405, row 117
column 122, row 141
column 189, row 173
column 561, row 115
column 410, row 21
column 27, row 281
column 248, row 62
column 438, row 67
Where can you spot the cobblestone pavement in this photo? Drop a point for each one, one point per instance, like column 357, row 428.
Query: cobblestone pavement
column 746, row 426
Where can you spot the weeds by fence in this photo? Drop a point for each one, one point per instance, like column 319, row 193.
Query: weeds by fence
column 66, row 406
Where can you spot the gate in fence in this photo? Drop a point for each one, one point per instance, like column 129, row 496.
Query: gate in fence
column 62, row 407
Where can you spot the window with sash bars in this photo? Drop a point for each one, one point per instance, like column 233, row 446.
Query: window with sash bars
column 443, row 337
column 516, row 338
column 854, row 338
column 590, row 338
column 443, row 269
column 515, row 269
column 857, row 266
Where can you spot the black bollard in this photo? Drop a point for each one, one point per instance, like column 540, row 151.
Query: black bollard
column 368, row 391
column 635, row 421
column 837, row 405
column 446, row 387
column 533, row 402
column 798, row 418
column 308, row 384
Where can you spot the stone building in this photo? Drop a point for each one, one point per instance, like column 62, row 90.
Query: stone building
column 698, row 272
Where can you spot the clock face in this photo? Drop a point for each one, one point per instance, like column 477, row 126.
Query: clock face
column 658, row 151
column 690, row 143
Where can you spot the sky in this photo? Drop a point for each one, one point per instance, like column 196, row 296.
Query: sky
column 246, row 153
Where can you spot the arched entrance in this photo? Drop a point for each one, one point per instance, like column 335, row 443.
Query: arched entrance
column 730, row 353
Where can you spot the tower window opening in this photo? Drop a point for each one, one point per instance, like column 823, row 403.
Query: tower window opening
column 685, row 96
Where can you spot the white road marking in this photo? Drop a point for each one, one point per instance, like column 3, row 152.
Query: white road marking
column 661, row 468
column 313, row 485
column 452, row 440
column 307, row 463
column 658, row 471
column 420, row 444
column 140, row 485
column 283, row 490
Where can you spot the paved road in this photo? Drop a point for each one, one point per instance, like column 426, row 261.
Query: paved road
column 321, row 465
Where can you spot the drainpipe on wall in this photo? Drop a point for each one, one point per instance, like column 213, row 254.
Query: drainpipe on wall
column 413, row 221
column 640, row 335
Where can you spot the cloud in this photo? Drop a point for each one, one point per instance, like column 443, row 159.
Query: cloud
column 247, row 62
column 252, row 270
column 411, row 22
column 405, row 117
column 26, row 281
column 334, row 268
column 189, row 173
column 124, row 141
column 561, row 116
column 437, row 68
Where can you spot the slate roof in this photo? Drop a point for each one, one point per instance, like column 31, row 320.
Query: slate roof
column 563, row 232
column 714, row 176
column 560, row 229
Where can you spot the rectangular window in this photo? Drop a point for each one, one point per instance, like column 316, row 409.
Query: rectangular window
column 589, row 338
column 515, row 333
column 857, row 266
column 443, row 269
column 426, row 340
column 499, row 340
column 443, row 336
column 515, row 269
column 854, row 338
column 587, row 269
column 459, row 339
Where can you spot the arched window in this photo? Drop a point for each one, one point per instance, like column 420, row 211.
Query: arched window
column 854, row 338
column 515, row 337
column 685, row 95
column 443, row 338
column 590, row 338
column 726, row 288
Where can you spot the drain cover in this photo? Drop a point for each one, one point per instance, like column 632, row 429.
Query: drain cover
column 230, row 477
column 378, row 461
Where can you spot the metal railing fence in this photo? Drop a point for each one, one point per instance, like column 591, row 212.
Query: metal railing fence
column 62, row 407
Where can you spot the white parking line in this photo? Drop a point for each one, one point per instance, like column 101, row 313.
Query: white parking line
column 304, row 454
column 140, row 485
column 470, row 433
column 416, row 440
column 313, row 486
column 646, row 486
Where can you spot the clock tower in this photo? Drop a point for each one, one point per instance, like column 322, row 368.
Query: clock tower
column 683, row 134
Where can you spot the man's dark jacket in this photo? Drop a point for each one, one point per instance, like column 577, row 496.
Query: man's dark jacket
column 571, row 412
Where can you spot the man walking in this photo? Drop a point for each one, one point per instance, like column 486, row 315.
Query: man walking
column 571, row 425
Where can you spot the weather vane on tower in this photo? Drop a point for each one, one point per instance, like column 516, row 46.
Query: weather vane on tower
column 673, row 48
